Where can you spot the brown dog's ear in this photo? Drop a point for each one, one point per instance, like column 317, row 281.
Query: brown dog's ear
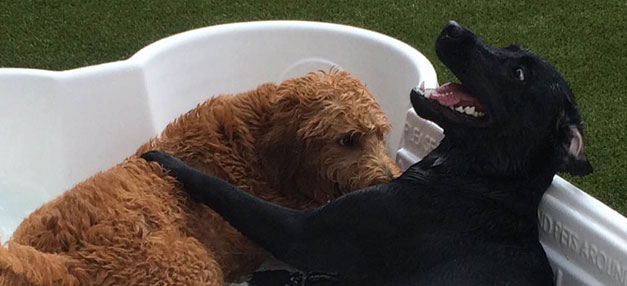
column 279, row 149
column 573, row 157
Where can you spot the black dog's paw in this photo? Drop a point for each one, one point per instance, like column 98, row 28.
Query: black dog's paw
column 164, row 159
column 286, row 278
column 276, row 278
column 322, row 279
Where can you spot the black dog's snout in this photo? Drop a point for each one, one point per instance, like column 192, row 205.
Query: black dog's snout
column 453, row 30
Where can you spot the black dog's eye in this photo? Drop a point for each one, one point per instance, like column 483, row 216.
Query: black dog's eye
column 519, row 73
column 350, row 140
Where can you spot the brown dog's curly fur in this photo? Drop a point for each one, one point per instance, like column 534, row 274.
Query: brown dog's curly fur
column 298, row 144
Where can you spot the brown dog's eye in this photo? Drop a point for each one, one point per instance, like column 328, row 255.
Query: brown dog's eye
column 350, row 140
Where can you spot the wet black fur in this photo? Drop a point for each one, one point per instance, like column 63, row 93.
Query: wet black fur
column 464, row 215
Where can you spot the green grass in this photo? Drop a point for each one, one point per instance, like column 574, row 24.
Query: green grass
column 585, row 40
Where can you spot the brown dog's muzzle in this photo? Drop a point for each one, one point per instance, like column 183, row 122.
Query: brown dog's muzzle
column 373, row 171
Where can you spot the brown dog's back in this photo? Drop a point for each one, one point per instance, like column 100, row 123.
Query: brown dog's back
column 118, row 227
column 110, row 204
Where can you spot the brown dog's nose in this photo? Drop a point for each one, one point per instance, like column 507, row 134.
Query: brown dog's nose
column 391, row 171
column 453, row 30
column 389, row 174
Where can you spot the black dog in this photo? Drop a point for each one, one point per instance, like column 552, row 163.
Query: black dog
column 466, row 213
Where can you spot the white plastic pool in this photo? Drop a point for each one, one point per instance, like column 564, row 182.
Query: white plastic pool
column 59, row 128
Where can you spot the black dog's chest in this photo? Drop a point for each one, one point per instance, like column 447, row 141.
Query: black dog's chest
column 434, row 226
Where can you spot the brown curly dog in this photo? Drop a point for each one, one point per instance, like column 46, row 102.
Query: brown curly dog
column 132, row 225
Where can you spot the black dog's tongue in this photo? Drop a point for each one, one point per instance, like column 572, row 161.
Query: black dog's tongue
column 454, row 95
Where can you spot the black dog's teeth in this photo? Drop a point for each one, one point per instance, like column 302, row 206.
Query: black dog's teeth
column 468, row 110
column 420, row 88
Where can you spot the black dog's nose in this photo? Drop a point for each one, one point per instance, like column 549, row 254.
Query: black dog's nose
column 453, row 30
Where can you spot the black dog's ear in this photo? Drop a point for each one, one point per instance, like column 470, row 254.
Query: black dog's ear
column 573, row 157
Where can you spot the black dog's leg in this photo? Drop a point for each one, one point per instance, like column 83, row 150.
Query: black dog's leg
column 325, row 239
column 280, row 226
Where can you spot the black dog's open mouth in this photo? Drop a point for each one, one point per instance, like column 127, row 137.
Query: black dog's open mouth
column 454, row 102
column 455, row 97
column 466, row 103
